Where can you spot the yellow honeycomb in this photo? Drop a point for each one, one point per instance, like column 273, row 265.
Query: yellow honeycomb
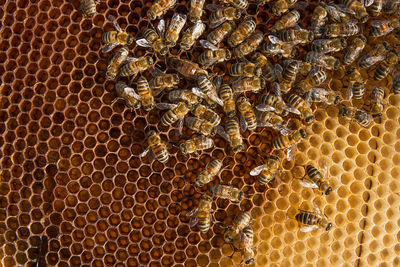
column 74, row 191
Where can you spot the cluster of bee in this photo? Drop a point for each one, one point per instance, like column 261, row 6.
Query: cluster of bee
column 285, row 90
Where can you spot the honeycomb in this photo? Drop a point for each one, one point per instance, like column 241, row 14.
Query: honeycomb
column 74, row 191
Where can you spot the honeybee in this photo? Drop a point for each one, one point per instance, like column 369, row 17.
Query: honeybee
column 213, row 54
column 320, row 95
column 212, row 168
column 312, row 220
column 186, row 96
column 226, row 95
column 360, row 12
column 114, row 38
column 196, row 144
column 329, row 45
column 288, row 20
column 275, row 103
column 383, row 27
column 281, row 6
column 153, row 39
column 157, row 146
column 116, row 62
column 396, row 84
column 270, row 119
column 353, row 51
column 252, row 84
column 377, row 96
column 385, row 66
column 296, row 36
column 196, row 10
column 249, row 45
column 146, row 96
column 207, row 89
column 318, row 20
column 376, row 7
column 248, row 120
column 239, row 4
column 161, row 80
column 174, row 29
column 221, row 14
column 320, row 59
column 205, row 113
column 391, row 6
column 233, row 131
column 191, row 35
column 375, row 55
column 285, row 141
column 266, row 173
column 289, row 76
column 199, row 125
column 202, row 214
column 245, row 69
column 314, row 78
column 246, row 245
column 174, row 114
column 356, row 87
column 131, row 98
column 268, row 69
column 337, row 13
column 88, row 7
column 244, row 29
column 186, row 68
column 159, row 8
column 240, row 222
column 217, row 35
column 360, row 116
column 133, row 66
column 305, row 111
column 344, row 29
column 276, row 47
column 227, row 192
column 314, row 179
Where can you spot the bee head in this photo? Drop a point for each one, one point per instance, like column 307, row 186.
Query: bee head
column 183, row 148
column 171, row 44
column 151, row 133
column 238, row 14
column 249, row 261
column 377, row 115
column 164, row 51
column 149, row 60
column 350, row 71
column 343, row 42
column 309, row 119
column 274, row 158
column 303, row 133
column 151, row 15
column 228, row 54
column 328, row 191
column 238, row 148
column 328, row 227
column 364, row 18
column 175, row 78
column 337, row 99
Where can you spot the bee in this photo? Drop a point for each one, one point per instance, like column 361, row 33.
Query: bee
column 191, row 35
column 146, row 96
column 159, row 8
column 249, row 120
column 385, row 66
column 360, row 12
column 318, row 20
column 226, row 95
column 227, row 192
column 217, row 35
column 132, row 99
column 296, row 36
column 202, row 214
column 247, row 27
column 252, row 84
column 315, row 180
column 205, row 113
column 174, row 29
column 199, row 125
column 186, row 68
column 249, row 45
column 375, row 55
column 221, row 14
column 281, row 6
column 391, row 6
column 276, row 47
column 312, row 220
column 329, row 45
column 239, row 4
column 360, row 116
column 233, row 131
column 157, row 146
column 212, row 168
column 285, row 141
column 114, row 38
column 314, row 78
column 275, row 102
column 246, row 245
column 186, row 96
column 88, row 7
column 245, row 69
column 213, row 54
column 377, row 96
column 266, row 173
column 345, row 29
column 289, row 76
column 298, row 103
column 238, row 224
column 267, row 68
column 337, row 13
column 153, row 39
column 135, row 65
column 161, row 80
column 196, row 10
column 196, row 144
column 356, row 87
column 207, row 89
column 270, row 119
column 320, row 59
column 396, row 84
column 116, row 62
column 320, row 95
column 383, row 27
column 353, row 51
column 176, row 113
column 288, row 20
column 376, row 7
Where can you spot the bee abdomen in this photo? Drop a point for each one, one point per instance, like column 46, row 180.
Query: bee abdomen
column 169, row 118
column 381, row 71
column 109, row 37
column 313, row 173
column 204, row 224
column 278, row 143
column 161, row 153
column 264, row 177
column 295, row 101
column 306, row 218
column 88, row 7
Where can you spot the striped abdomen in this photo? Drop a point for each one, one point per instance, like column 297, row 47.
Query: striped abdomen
column 358, row 89
column 109, row 37
column 204, row 213
column 160, row 152
column 290, row 72
column 396, row 84
column 265, row 177
column 145, row 94
column 281, row 142
column 382, row 70
column 307, row 218
column 88, row 7
column 225, row 93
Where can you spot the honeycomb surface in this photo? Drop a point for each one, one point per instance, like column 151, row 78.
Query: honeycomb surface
column 74, row 191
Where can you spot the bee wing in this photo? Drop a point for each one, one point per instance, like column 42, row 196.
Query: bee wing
column 212, row 7
column 198, row 29
column 165, row 105
column 145, row 152
column 264, row 124
column 243, row 123
column 206, row 44
column 109, row 47
column 221, row 131
column 209, row 62
column 317, row 210
column 308, row 184
column 197, row 91
column 180, row 126
column 293, row 110
column 276, row 89
column 275, row 40
column 308, row 228
column 342, row 8
column 214, row 25
column 378, row 23
column 130, row 59
column 193, row 219
column 143, row 42
column 278, row 73
column 283, row 130
column 214, row 97
column 291, row 151
column 217, row 82
column 156, row 72
column 367, row 3
column 131, row 92
column 264, row 108
column 257, row 170
column 161, row 27
column 373, row 60
column 114, row 22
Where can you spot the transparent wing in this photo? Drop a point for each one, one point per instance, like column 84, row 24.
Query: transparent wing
column 378, row 23
column 198, row 29
column 143, row 42
column 243, row 123
column 214, row 25
column 130, row 59
column 277, row 90
column 283, row 130
column 210, row 61
column 131, row 92
column 264, row 108
column 344, row 9
column 217, row 82
column 349, row 92
column 109, row 47
column 278, row 72
column 264, row 124
column 214, row 97
column 373, row 60
column 308, row 228
column 293, row 110
column 165, row 105
column 161, row 27
column 206, row 44
column 145, row 152
column 368, row 2
column 221, row 131
column 212, row 7
column 273, row 39
column 317, row 210
column 291, row 151
column 180, row 125
column 197, row 91
column 308, row 184
column 257, row 170
column 156, row 72
column 114, row 22
column 193, row 219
